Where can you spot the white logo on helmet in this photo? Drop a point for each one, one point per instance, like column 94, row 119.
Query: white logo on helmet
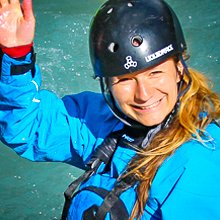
column 159, row 53
column 130, row 63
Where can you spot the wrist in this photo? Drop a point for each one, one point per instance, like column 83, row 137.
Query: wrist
column 19, row 51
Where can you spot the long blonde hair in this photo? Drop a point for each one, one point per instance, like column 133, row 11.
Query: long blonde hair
column 199, row 98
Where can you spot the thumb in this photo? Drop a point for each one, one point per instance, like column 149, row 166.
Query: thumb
column 27, row 8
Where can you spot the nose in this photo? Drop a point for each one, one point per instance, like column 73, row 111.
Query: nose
column 143, row 90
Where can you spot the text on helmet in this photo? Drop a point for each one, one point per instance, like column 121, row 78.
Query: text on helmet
column 159, row 53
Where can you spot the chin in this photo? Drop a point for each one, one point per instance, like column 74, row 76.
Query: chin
column 151, row 123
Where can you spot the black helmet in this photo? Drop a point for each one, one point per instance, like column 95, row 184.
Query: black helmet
column 126, row 36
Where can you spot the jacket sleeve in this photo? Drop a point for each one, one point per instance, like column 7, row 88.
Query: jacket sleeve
column 28, row 116
column 37, row 125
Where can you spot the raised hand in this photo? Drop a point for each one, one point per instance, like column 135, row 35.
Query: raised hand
column 17, row 23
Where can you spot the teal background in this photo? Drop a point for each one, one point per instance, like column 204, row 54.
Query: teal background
column 31, row 190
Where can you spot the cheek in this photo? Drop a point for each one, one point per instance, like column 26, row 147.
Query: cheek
column 172, row 91
column 168, row 84
column 121, row 94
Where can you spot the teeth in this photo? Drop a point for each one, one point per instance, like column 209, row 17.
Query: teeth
column 150, row 106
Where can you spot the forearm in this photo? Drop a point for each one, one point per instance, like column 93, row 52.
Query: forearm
column 27, row 114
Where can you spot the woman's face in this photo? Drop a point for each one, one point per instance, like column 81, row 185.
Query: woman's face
column 147, row 96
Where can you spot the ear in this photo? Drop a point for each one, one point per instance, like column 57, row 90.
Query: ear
column 180, row 70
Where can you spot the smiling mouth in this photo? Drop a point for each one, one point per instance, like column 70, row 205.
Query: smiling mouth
column 148, row 107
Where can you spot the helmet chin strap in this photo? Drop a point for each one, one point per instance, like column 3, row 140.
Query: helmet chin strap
column 185, row 71
column 132, row 123
column 170, row 117
column 115, row 109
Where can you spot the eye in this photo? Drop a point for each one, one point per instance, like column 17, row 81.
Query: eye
column 155, row 73
column 122, row 81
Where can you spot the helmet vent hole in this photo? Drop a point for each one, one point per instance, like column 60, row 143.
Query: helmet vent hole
column 130, row 4
column 113, row 47
column 110, row 11
column 136, row 41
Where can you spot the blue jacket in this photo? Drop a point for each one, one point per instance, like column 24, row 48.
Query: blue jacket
column 41, row 127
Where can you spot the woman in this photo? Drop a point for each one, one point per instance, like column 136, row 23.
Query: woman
column 154, row 154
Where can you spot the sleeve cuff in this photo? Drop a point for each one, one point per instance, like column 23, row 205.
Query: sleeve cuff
column 16, row 52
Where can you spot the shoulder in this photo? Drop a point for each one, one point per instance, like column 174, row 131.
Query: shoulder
column 85, row 102
column 199, row 157
column 195, row 152
column 193, row 168
column 92, row 111
column 83, row 98
column 190, row 179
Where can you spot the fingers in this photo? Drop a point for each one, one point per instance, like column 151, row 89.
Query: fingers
column 3, row 3
column 14, row 1
column 28, row 10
